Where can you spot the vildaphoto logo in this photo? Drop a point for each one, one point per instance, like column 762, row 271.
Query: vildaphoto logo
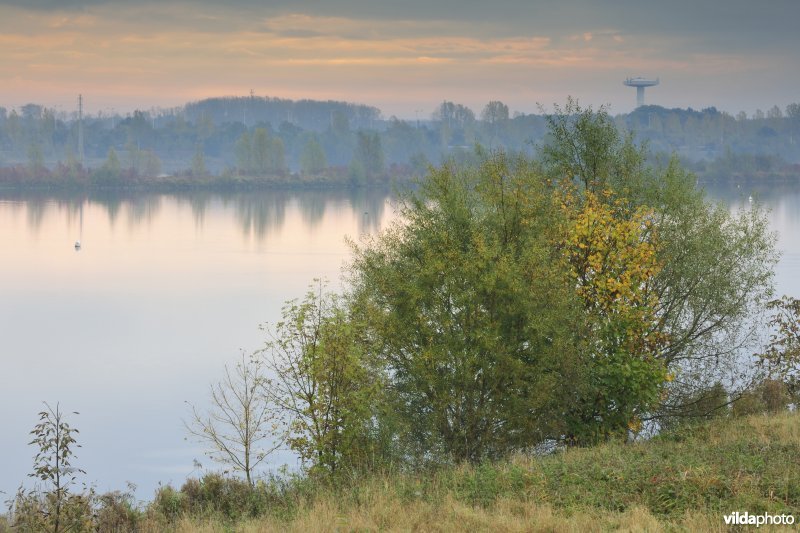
column 758, row 520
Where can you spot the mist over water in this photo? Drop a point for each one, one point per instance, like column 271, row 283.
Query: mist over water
column 165, row 290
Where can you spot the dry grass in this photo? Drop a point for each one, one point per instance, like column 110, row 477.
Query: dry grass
column 507, row 516
column 684, row 481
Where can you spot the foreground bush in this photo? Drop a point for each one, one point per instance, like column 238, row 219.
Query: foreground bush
column 685, row 479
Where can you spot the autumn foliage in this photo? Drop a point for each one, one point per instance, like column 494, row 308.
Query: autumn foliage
column 610, row 253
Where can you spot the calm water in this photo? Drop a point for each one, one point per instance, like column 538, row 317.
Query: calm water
column 783, row 205
column 165, row 291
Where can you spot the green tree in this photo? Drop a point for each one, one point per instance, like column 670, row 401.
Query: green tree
column 356, row 172
column 244, row 153
column 55, row 441
column 35, row 158
column 267, row 153
column 152, row 163
column 456, row 116
column 112, row 163
column 312, row 158
column 262, row 148
column 72, row 169
column 369, row 153
column 277, row 155
column 340, row 124
column 47, row 129
column 199, row 163
column 471, row 313
column 138, row 127
column 774, row 113
column 494, row 115
column 111, row 170
column 781, row 358
column 205, row 127
column 323, row 383
column 588, row 269
column 793, row 114
column 456, row 124
column 14, row 129
column 135, row 157
column 717, row 267
column 495, row 112
column 584, row 145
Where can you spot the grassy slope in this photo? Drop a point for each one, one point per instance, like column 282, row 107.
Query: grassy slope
column 682, row 481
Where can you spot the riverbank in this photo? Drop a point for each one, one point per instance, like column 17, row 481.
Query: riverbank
column 687, row 479
column 334, row 178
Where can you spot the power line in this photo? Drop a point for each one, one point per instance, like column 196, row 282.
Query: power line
column 80, row 128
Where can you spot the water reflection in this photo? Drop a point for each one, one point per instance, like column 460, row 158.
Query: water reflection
column 782, row 203
column 258, row 214
column 372, row 206
column 149, row 312
column 768, row 194
column 35, row 212
column 198, row 204
column 111, row 201
column 141, row 210
column 165, row 291
column 312, row 208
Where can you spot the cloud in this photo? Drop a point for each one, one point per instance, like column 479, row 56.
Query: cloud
column 395, row 51
column 722, row 26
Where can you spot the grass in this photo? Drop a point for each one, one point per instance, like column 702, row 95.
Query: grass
column 684, row 480
column 506, row 515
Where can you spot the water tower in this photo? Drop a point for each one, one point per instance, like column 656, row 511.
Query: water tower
column 640, row 83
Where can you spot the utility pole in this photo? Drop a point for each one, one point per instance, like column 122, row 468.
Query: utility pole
column 246, row 103
column 80, row 128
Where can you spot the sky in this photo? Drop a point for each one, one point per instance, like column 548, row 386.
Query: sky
column 405, row 57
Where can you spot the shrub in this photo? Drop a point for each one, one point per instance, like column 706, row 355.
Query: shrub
column 116, row 511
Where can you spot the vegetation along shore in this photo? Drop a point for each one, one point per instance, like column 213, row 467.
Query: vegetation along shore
column 570, row 341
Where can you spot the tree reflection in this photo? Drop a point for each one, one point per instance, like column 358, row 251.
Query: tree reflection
column 198, row 204
column 142, row 209
column 36, row 210
column 312, row 205
column 110, row 201
column 369, row 205
column 257, row 214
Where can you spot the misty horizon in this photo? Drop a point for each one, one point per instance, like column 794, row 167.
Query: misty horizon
column 66, row 111
column 735, row 56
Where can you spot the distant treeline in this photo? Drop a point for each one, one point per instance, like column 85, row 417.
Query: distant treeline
column 258, row 139
column 309, row 115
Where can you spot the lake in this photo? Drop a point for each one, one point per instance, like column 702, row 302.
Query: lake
column 164, row 291
column 167, row 289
